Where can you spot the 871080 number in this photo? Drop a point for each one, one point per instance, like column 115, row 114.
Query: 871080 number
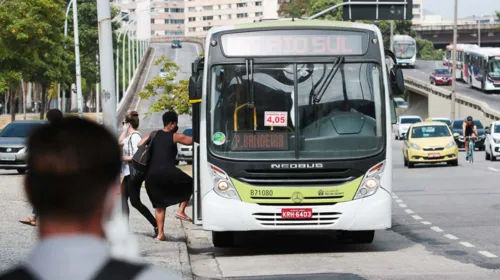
column 261, row 193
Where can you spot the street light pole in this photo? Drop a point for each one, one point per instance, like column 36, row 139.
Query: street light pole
column 65, row 34
column 479, row 32
column 77, row 60
column 454, row 56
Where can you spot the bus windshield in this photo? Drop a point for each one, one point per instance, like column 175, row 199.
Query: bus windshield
column 404, row 50
column 494, row 69
column 289, row 111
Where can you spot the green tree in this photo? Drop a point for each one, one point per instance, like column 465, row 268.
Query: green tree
column 173, row 96
column 304, row 8
column 31, row 40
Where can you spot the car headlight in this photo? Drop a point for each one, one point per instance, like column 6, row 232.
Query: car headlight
column 371, row 182
column 415, row 146
column 497, row 141
column 23, row 150
column 222, row 184
column 451, row 144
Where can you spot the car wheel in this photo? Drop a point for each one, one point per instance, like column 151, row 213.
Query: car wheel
column 487, row 156
column 454, row 162
column 177, row 162
column 410, row 164
column 405, row 162
column 21, row 171
column 359, row 237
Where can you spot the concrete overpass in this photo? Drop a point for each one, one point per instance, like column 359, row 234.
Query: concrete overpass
column 427, row 100
column 442, row 35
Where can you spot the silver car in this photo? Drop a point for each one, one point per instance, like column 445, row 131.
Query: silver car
column 185, row 153
column 13, row 139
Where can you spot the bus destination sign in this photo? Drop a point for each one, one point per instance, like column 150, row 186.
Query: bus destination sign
column 260, row 141
column 294, row 43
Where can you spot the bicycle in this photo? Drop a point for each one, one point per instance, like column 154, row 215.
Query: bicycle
column 470, row 154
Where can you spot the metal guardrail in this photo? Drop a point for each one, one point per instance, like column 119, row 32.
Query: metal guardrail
column 425, row 89
column 448, row 27
column 195, row 40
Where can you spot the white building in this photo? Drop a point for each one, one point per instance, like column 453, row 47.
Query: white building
column 155, row 17
column 418, row 12
column 201, row 15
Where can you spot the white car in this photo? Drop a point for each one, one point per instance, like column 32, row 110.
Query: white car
column 492, row 142
column 163, row 73
column 403, row 124
column 401, row 103
column 185, row 153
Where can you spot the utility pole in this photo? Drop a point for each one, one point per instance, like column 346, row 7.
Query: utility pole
column 77, row 61
column 479, row 32
column 392, row 35
column 454, row 56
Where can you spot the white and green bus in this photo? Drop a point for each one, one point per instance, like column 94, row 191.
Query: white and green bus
column 292, row 129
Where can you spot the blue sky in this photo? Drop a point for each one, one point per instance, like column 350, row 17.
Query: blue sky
column 465, row 7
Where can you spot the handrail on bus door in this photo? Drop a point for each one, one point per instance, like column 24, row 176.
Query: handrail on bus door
column 235, row 117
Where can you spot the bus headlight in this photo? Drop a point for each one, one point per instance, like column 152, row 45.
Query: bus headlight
column 222, row 184
column 371, row 182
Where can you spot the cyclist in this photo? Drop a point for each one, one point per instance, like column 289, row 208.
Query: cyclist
column 469, row 129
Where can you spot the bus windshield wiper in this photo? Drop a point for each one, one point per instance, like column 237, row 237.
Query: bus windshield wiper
column 250, row 84
column 336, row 66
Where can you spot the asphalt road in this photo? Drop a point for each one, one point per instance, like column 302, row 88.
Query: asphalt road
column 183, row 58
column 445, row 225
column 424, row 68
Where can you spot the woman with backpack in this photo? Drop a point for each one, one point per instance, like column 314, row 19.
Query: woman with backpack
column 132, row 179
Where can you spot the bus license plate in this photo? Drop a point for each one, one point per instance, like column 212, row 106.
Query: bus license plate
column 296, row 213
column 434, row 155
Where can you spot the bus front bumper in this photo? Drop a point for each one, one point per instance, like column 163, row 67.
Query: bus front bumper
column 371, row 213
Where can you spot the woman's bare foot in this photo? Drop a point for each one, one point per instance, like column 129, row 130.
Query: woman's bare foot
column 29, row 221
column 161, row 238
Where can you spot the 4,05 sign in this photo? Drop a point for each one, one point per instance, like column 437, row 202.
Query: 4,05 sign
column 275, row 118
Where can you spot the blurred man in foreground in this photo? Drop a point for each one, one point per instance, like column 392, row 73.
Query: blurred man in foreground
column 72, row 181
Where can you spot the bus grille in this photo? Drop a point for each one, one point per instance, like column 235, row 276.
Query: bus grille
column 298, row 177
column 318, row 219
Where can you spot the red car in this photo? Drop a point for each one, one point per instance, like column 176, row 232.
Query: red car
column 440, row 77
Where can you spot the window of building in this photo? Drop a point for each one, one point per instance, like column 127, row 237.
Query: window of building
column 177, row 21
column 192, row 9
column 259, row 14
column 177, row 33
column 416, row 6
column 177, row 10
column 242, row 15
column 241, row 5
column 208, row 8
column 191, row 19
column 208, row 18
column 258, row 3
column 192, row 29
column 152, row 21
column 206, row 28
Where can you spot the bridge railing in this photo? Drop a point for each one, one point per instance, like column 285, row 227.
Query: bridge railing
column 196, row 40
column 482, row 109
column 448, row 27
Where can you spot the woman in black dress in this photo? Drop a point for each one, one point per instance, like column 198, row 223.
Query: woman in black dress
column 165, row 183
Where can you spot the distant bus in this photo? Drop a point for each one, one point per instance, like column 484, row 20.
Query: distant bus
column 448, row 60
column 405, row 49
column 482, row 68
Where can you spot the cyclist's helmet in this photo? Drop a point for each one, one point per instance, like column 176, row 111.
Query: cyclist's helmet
column 469, row 118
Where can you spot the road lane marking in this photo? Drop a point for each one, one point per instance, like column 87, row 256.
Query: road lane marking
column 399, row 201
column 467, row 244
column 494, row 169
column 436, row 229
column 402, row 205
column 487, row 254
column 426, row 223
column 409, row 211
column 416, row 217
column 450, row 236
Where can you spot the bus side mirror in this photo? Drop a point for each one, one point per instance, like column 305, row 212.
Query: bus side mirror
column 398, row 81
column 194, row 92
column 394, row 118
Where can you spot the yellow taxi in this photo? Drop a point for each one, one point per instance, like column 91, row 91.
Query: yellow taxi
column 429, row 142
